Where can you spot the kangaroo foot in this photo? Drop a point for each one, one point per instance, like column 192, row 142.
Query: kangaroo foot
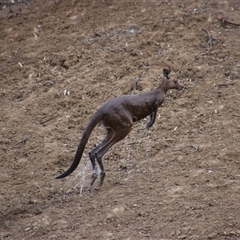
column 102, row 176
column 93, row 178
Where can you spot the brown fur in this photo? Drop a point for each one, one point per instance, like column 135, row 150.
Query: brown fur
column 118, row 115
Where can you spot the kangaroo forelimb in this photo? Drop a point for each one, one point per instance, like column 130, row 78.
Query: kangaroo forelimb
column 152, row 119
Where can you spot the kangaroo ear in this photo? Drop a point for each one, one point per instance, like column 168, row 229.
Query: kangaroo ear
column 165, row 73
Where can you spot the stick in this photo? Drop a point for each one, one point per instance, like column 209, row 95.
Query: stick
column 144, row 65
column 201, row 54
column 22, row 141
column 190, row 146
column 224, row 84
column 48, row 119
column 135, row 83
column 175, row 157
column 210, row 37
column 228, row 22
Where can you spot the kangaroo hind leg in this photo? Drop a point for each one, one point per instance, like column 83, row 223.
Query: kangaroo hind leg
column 118, row 134
column 92, row 155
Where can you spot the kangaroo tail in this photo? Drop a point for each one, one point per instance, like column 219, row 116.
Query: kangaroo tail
column 86, row 134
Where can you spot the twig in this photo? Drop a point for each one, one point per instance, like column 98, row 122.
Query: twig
column 211, row 42
column 36, row 169
column 135, row 80
column 225, row 21
column 135, row 83
column 22, row 141
column 210, row 38
column 201, row 54
column 145, row 65
column 175, row 158
column 192, row 146
column 224, row 84
column 48, row 119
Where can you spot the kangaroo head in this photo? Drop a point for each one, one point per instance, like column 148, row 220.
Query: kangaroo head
column 170, row 84
column 174, row 84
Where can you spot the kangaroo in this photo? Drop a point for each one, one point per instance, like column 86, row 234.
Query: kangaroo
column 118, row 116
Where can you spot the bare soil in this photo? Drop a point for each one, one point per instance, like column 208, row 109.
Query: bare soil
column 62, row 59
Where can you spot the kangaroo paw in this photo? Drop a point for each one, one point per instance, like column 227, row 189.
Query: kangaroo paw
column 149, row 125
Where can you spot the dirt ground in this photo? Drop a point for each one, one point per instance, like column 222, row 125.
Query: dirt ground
column 62, row 59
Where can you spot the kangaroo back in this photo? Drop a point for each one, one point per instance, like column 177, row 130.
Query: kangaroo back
column 97, row 117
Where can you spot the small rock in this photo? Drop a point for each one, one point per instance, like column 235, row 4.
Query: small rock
column 213, row 235
column 133, row 30
column 182, row 237
column 118, row 211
